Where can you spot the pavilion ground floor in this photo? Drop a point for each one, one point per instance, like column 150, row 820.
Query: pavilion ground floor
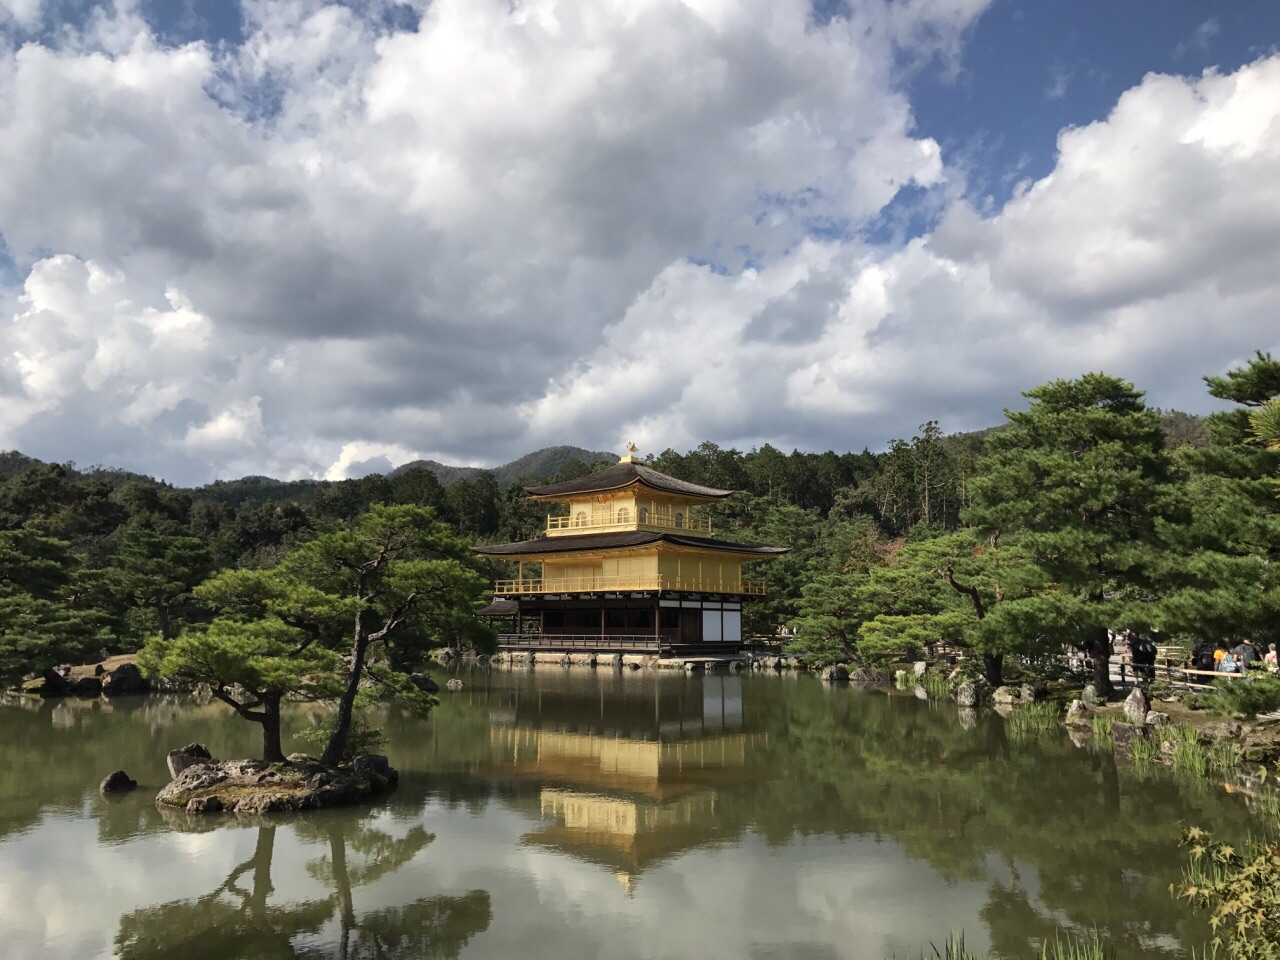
column 656, row 622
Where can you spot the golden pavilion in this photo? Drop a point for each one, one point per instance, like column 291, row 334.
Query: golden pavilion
column 631, row 566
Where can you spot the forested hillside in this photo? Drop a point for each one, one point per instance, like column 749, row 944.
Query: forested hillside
column 547, row 462
column 101, row 558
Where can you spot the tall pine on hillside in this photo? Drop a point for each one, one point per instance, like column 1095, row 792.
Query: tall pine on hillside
column 1080, row 478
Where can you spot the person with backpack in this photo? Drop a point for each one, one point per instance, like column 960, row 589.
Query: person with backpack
column 1202, row 656
column 1142, row 654
column 1246, row 654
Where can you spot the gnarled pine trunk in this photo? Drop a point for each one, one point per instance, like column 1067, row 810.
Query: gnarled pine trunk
column 337, row 744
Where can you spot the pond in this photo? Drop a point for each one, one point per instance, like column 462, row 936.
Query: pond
column 567, row 813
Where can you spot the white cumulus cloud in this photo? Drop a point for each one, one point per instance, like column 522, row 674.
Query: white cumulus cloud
column 340, row 244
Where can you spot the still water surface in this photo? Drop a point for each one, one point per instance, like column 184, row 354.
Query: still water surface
column 575, row 813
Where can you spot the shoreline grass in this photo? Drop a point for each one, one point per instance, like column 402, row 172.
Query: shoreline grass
column 1063, row 946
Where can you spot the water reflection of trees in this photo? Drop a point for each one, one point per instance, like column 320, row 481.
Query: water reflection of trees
column 56, row 751
column 1094, row 843
column 241, row 919
column 1064, row 837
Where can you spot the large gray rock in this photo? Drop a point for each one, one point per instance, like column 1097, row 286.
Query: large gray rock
column 1122, row 734
column 1030, row 692
column 835, row 673
column 968, row 694
column 51, row 683
column 193, row 779
column 1090, row 695
column 118, row 782
column 375, row 764
column 1155, row 718
column 267, row 802
column 1227, row 730
column 1006, row 696
column 424, row 683
column 1079, row 714
column 920, row 668
column 1136, row 706
column 869, row 675
column 204, row 805
column 188, row 756
column 86, row 687
column 124, row 679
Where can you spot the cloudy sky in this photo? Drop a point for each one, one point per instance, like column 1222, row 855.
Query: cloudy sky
column 306, row 239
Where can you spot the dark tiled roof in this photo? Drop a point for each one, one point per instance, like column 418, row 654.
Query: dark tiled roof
column 624, row 475
column 500, row 607
column 628, row 538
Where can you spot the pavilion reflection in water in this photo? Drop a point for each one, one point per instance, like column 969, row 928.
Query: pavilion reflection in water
column 632, row 774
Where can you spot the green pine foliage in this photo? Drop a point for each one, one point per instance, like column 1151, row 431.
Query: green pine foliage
column 1258, row 693
column 380, row 590
column 1221, row 575
column 42, row 621
column 1081, row 479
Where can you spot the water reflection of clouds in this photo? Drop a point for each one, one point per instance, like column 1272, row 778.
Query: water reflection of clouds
column 66, row 892
column 742, row 900
column 62, row 890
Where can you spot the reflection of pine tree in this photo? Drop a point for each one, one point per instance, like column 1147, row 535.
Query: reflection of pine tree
column 235, row 920
column 239, row 920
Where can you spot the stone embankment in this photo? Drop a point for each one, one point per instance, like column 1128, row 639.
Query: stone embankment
column 1253, row 742
column 529, row 659
column 204, row 784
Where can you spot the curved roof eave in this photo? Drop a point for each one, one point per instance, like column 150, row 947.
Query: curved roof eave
column 620, row 541
column 622, row 475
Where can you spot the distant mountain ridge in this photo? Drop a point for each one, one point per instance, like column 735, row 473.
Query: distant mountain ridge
column 541, row 464
column 1179, row 428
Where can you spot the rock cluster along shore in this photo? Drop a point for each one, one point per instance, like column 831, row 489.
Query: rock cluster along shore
column 115, row 677
column 204, row 784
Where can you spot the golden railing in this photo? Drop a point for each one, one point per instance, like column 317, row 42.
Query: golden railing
column 629, row 521
column 754, row 588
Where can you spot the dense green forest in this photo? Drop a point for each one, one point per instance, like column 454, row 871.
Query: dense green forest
column 1084, row 512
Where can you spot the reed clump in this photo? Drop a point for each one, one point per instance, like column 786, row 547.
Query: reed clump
column 1033, row 719
column 1061, row 947
column 1192, row 755
column 936, row 685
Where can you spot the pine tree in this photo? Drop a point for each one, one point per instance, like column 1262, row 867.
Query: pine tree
column 395, row 575
column 1222, row 575
column 1080, row 478
column 43, row 621
column 958, row 589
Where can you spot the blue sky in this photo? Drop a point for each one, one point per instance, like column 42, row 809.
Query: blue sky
column 1030, row 69
column 301, row 238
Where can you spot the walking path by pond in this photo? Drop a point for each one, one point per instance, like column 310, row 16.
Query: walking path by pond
column 582, row 813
